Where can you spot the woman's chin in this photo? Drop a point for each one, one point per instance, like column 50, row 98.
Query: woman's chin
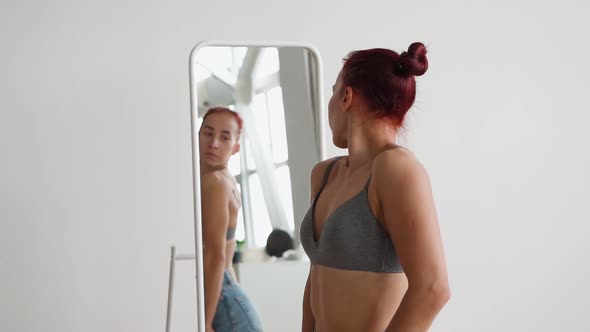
column 340, row 143
column 207, row 162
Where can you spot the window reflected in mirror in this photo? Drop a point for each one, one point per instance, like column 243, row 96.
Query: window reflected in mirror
column 221, row 66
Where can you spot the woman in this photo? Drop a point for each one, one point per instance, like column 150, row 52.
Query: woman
column 371, row 233
column 226, row 306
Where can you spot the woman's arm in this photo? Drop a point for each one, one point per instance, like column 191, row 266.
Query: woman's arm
column 408, row 213
column 215, row 205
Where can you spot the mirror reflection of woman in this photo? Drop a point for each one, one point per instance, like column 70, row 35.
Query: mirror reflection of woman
column 372, row 234
column 227, row 308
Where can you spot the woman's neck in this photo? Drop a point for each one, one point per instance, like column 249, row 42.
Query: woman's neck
column 366, row 139
column 206, row 169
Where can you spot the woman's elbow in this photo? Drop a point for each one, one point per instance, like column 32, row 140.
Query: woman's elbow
column 439, row 293
column 214, row 258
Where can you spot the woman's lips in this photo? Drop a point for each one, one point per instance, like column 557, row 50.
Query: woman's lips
column 210, row 155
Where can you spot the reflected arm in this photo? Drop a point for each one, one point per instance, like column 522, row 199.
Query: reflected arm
column 215, row 207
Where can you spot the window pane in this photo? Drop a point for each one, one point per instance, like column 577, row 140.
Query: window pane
column 283, row 178
column 278, row 130
column 216, row 59
column 268, row 63
column 260, row 220
column 239, row 53
column 259, row 108
column 260, row 117
column 234, row 164
column 201, row 73
column 249, row 158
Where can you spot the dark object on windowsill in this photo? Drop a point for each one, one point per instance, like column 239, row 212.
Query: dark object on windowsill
column 278, row 242
column 238, row 252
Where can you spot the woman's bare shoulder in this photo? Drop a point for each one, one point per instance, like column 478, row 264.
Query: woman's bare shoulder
column 215, row 182
column 396, row 168
column 317, row 173
column 392, row 161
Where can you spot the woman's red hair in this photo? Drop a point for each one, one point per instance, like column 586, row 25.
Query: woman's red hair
column 386, row 79
column 226, row 110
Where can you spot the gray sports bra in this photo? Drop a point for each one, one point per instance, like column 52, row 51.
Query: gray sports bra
column 352, row 238
column 230, row 234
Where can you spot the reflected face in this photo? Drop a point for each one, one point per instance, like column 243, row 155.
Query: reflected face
column 218, row 139
column 336, row 116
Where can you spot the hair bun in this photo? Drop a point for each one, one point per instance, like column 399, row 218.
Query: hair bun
column 413, row 62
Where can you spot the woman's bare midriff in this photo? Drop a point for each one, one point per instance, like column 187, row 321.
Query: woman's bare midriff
column 343, row 300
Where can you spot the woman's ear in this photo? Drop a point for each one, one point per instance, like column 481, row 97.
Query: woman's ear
column 236, row 148
column 348, row 95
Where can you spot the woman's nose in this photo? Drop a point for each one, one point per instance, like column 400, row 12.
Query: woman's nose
column 213, row 143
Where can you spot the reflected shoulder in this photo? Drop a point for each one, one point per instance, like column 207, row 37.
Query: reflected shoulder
column 214, row 181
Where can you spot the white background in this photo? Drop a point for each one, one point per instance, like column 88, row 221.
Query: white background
column 95, row 178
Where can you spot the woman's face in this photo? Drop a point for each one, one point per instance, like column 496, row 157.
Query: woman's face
column 336, row 116
column 218, row 139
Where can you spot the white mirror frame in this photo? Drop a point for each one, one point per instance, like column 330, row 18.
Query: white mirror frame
column 319, row 118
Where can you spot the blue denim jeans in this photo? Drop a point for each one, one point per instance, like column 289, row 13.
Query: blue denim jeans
column 235, row 312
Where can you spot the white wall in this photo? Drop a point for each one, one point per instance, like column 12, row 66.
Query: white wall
column 95, row 180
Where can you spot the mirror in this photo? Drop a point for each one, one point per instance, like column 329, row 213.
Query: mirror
column 276, row 90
